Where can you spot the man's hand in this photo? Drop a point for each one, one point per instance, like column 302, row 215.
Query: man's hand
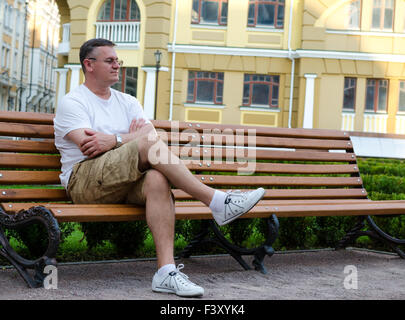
column 96, row 143
column 136, row 124
column 139, row 127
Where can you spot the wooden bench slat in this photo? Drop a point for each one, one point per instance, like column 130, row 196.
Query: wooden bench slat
column 259, row 211
column 44, row 131
column 17, row 206
column 218, row 180
column 26, row 130
column 27, row 117
column 53, row 195
column 274, row 142
column 277, row 194
column 33, row 194
column 240, row 154
column 91, row 213
column 283, row 202
column 53, row 161
column 15, row 160
column 47, row 146
column 259, row 131
column 47, row 119
column 350, row 209
column 29, row 177
column 52, row 177
column 260, row 167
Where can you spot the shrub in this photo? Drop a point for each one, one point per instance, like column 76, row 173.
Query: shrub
column 127, row 237
column 35, row 238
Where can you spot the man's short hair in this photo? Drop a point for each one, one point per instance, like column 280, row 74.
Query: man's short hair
column 90, row 45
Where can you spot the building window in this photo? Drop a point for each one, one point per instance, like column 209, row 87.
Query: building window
column 119, row 10
column 7, row 18
column 383, row 14
column 354, row 14
column 15, row 64
column 376, row 96
column 128, row 81
column 5, row 58
column 210, row 12
column 349, row 96
column 205, row 87
column 261, row 90
column 264, row 13
column 401, row 104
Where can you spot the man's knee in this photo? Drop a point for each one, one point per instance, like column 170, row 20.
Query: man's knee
column 155, row 182
column 146, row 141
column 148, row 148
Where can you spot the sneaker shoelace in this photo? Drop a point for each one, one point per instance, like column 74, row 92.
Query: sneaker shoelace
column 228, row 198
column 181, row 277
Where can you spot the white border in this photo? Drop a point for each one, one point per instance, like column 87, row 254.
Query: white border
column 367, row 33
column 202, row 105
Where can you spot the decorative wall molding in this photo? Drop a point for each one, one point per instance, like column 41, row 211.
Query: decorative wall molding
column 277, row 53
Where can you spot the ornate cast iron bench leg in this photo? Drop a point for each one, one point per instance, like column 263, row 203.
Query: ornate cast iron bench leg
column 374, row 232
column 23, row 219
column 272, row 226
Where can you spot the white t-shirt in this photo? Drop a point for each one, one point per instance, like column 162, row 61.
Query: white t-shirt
column 81, row 108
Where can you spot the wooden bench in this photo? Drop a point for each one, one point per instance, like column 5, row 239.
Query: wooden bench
column 305, row 173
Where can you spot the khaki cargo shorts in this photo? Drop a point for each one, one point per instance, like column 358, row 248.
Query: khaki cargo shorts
column 113, row 177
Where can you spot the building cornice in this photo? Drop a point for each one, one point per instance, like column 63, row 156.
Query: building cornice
column 278, row 53
column 375, row 33
column 364, row 56
column 229, row 51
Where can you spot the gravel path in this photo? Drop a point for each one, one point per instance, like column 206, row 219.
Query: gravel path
column 315, row 275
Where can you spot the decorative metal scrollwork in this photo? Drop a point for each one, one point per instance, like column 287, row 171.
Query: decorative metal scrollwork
column 373, row 232
column 272, row 226
column 23, row 219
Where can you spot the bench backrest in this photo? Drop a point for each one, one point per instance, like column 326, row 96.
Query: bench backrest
column 289, row 163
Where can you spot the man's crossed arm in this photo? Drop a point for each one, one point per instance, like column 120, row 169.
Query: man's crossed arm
column 93, row 143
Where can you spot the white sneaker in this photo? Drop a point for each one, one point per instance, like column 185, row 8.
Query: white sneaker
column 176, row 282
column 238, row 203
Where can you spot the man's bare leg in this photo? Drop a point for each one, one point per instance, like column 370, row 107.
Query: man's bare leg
column 160, row 215
column 225, row 207
column 163, row 160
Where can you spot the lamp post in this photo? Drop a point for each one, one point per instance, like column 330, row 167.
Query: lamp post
column 158, row 55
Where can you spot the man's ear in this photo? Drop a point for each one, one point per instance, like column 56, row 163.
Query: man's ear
column 87, row 65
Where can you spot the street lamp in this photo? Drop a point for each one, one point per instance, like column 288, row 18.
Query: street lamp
column 158, row 55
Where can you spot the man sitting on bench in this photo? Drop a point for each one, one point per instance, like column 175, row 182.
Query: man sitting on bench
column 104, row 140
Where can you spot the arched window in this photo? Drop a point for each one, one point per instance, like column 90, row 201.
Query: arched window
column 119, row 10
column 353, row 10
column 266, row 13
column 119, row 21
column 346, row 16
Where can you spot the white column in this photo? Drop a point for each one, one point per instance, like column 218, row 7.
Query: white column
column 149, row 96
column 62, row 74
column 150, row 86
column 308, row 121
column 75, row 75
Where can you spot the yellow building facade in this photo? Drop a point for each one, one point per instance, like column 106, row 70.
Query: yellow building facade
column 335, row 64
